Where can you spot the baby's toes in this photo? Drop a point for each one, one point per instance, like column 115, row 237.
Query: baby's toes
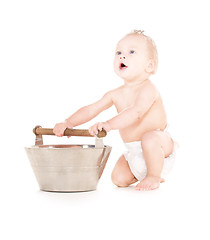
column 140, row 186
column 145, row 187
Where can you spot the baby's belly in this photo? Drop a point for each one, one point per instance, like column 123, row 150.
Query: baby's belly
column 137, row 130
column 154, row 119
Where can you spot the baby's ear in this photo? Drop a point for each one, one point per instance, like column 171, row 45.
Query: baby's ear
column 150, row 66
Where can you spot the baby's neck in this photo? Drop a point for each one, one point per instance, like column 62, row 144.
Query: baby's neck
column 134, row 83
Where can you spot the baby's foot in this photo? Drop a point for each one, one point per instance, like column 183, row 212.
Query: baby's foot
column 149, row 183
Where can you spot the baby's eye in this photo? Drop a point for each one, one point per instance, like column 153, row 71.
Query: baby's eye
column 132, row 51
column 118, row 52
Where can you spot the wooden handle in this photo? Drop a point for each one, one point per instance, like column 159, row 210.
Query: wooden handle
column 38, row 130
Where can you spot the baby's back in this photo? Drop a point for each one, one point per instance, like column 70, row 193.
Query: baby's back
column 154, row 118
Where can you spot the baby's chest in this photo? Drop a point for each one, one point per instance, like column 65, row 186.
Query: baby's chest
column 124, row 101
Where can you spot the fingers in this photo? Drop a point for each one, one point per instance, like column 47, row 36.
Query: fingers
column 99, row 127
column 94, row 129
column 59, row 129
column 58, row 133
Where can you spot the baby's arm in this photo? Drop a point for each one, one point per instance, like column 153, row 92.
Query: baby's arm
column 89, row 112
column 130, row 115
column 84, row 114
column 145, row 99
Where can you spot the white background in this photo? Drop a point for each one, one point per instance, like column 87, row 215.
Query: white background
column 57, row 56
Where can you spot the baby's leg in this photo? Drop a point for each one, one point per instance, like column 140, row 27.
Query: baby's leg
column 121, row 174
column 156, row 146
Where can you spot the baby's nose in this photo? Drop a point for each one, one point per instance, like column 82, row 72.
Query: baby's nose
column 122, row 57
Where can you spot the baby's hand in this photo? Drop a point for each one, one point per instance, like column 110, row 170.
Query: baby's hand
column 98, row 126
column 59, row 129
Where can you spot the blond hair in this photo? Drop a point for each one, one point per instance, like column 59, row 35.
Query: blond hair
column 152, row 49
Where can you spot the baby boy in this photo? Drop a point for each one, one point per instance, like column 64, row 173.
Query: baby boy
column 141, row 118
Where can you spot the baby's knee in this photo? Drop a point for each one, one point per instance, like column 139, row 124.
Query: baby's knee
column 119, row 180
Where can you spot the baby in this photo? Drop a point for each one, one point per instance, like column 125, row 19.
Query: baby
column 141, row 118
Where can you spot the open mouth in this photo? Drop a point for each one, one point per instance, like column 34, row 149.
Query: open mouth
column 123, row 66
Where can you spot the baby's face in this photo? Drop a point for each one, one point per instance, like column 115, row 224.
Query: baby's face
column 131, row 57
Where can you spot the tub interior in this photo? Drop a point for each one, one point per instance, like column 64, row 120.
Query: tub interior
column 63, row 146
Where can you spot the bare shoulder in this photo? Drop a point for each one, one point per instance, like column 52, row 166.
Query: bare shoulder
column 114, row 92
column 149, row 89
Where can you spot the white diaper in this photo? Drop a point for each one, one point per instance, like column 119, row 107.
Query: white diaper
column 136, row 161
